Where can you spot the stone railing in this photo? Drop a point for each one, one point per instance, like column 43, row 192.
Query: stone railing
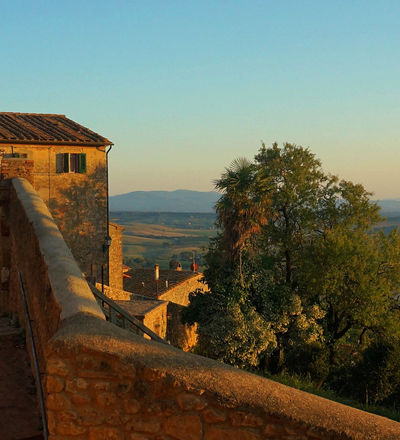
column 32, row 244
column 103, row 382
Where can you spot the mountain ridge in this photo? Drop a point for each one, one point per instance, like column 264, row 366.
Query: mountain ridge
column 180, row 200
column 185, row 200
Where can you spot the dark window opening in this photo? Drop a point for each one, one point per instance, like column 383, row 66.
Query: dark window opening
column 71, row 163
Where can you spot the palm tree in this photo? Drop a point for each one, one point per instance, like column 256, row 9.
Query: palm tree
column 241, row 210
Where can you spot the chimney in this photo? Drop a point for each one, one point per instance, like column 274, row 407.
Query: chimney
column 156, row 272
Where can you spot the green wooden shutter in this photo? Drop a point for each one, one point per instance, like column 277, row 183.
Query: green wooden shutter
column 82, row 163
column 59, row 163
column 66, row 162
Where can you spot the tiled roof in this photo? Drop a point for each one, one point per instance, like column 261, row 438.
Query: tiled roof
column 142, row 281
column 140, row 307
column 40, row 128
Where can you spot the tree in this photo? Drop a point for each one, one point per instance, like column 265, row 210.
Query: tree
column 297, row 271
column 241, row 210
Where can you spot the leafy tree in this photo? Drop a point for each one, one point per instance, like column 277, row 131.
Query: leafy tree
column 297, row 277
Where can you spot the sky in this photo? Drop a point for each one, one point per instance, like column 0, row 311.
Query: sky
column 184, row 87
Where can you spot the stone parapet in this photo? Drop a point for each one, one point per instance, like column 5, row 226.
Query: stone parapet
column 105, row 383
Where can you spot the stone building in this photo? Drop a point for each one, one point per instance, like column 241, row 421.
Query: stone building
column 67, row 165
column 173, row 286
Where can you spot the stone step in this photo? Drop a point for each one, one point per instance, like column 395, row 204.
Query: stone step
column 10, row 331
column 6, row 329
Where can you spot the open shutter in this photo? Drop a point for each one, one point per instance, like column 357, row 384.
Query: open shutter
column 66, row 162
column 59, row 163
column 82, row 163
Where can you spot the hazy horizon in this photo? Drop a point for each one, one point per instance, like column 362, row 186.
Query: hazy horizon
column 184, row 88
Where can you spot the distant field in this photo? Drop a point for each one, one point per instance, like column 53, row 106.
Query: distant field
column 153, row 237
column 157, row 237
column 391, row 222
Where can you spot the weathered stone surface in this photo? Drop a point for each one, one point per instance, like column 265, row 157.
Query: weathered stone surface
column 149, row 425
column 137, row 436
column 213, row 415
column 91, row 416
column 102, row 385
column 113, row 417
column 58, row 402
column 131, row 406
column 77, row 384
column 51, row 421
column 123, row 388
column 57, row 367
column 152, row 375
column 105, row 433
column 189, row 402
column 67, row 415
column 184, row 427
column 69, row 428
column 54, row 384
column 240, row 418
column 80, row 399
column 273, row 430
column 214, row 433
column 106, row 399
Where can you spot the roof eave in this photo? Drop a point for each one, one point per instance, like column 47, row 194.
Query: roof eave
column 67, row 143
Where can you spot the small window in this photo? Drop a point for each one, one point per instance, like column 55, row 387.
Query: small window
column 71, row 163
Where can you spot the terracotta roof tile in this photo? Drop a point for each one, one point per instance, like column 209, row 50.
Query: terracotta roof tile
column 142, row 281
column 40, row 128
column 140, row 307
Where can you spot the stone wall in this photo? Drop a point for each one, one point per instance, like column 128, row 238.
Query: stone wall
column 183, row 336
column 103, row 382
column 31, row 244
column 179, row 294
column 77, row 201
column 115, row 256
column 17, row 167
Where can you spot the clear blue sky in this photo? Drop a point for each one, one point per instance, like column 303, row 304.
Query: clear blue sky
column 184, row 87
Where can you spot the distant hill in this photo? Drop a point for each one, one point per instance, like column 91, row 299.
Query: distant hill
column 389, row 206
column 181, row 200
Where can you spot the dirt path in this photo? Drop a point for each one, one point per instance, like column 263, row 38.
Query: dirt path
column 19, row 410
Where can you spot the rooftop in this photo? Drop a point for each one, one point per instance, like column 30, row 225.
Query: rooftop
column 140, row 307
column 142, row 281
column 40, row 128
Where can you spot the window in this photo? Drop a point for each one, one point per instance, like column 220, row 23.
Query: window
column 71, row 163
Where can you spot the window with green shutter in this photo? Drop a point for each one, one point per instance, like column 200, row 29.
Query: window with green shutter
column 66, row 162
column 82, row 163
column 71, row 163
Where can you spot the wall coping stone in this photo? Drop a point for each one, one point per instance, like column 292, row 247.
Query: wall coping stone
column 230, row 386
column 70, row 288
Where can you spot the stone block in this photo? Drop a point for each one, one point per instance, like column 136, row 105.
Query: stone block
column 240, row 418
column 57, row 367
column 188, row 402
column 102, row 385
column 148, row 425
column 91, row 416
column 77, row 384
column 213, row 415
column 105, row 433
column 214, row 433
column 80, row 399
column 184, row 427
column 58, row 402
column 54, row 384
column 106, row 399
column 131, row 406
column 69, row 428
